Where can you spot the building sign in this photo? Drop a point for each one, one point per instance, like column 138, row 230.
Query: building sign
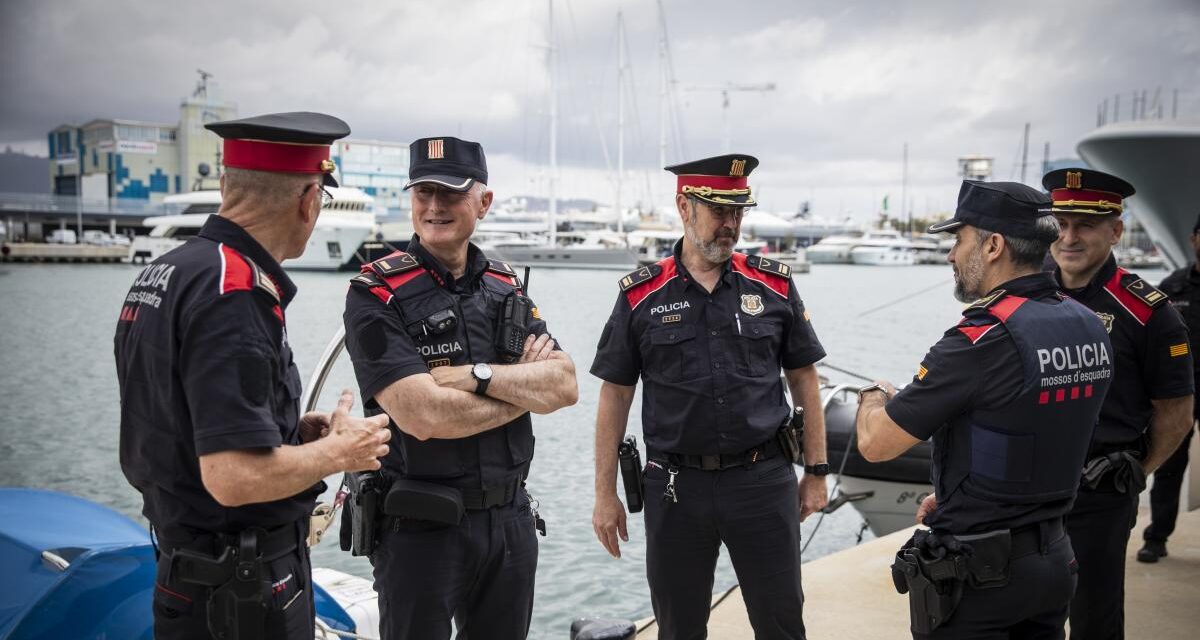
column 132, row 146
column 66, row 158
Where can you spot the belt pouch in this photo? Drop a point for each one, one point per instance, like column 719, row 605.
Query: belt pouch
column 988, row 561
column 424, row 501
column 360, row 517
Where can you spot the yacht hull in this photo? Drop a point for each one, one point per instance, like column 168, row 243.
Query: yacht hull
column 1161, row 159
column 567, row 257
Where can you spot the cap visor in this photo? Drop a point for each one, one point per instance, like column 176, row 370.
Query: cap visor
column 454, row 183
column 737, row 201
column 329, row 181
column 945, row 226
column 1090, row 212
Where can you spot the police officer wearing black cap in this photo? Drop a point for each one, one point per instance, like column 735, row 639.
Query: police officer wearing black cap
column 445, row 342
column 211, row 434
column 708, row 330
column 1010, row 397
column 1183, row 287
column 1148, row 408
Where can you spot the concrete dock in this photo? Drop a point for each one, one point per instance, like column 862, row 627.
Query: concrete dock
column 39, row 252
column 850, row 594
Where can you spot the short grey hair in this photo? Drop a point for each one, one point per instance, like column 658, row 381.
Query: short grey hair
column 1027, row 252
column 267, row 189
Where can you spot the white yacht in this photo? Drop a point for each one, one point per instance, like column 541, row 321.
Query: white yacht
column 574, row 250
column 1159, row 158
column 834, row 249
column 342, row 227
column 884, row 247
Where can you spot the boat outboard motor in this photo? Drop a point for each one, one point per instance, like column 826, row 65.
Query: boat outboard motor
column 603, row 629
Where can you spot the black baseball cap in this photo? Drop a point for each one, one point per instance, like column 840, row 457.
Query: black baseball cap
column 447, row 161
column 1010, row 208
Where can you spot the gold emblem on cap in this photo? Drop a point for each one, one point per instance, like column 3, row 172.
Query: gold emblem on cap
column 737, row 168
column 437, row 149
column 327, row 166
column 1074, row 179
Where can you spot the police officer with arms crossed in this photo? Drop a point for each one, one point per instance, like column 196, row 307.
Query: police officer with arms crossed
column 457, row 539
column 1183, row 287
column 1148, row 408
column 708, row 330
column 1010, row 397
column 210, row 428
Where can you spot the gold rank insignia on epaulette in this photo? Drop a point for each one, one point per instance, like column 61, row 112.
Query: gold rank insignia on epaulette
column 1144, row 291
column 396, row 263
column 500, row 266
column 639, row 276
column 986, row 301
column 769, row 266
column 368, row 279
column 263, row 281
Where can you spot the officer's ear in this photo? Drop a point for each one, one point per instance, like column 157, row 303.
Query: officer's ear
column 310, row 202
column 485, row 203
column 1118, row 229
column 681, row 203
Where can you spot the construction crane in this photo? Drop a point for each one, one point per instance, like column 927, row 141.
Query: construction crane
column 725, row 91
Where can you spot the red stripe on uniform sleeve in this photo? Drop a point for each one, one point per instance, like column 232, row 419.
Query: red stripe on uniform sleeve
column 778, row 284
column 236, row 274
column 1134, row 305
column 974, row 333
column 643, row 290
column 1005, row 308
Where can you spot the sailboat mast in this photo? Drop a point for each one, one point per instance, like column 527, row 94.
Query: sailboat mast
column 620, row 119
column 904, row 194
column 662, row 89
column 552, row 216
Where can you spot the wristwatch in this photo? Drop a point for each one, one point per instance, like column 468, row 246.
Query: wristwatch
column 482, row 372
column 886, row 396
column 819, row 469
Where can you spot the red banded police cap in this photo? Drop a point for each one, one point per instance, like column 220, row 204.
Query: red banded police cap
column 294, row 142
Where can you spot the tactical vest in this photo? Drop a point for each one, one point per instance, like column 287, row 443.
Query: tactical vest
column 488, row 459
column 1032, row 450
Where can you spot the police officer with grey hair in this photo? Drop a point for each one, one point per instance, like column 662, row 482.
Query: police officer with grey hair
column 1010, row 397
column 445, row 341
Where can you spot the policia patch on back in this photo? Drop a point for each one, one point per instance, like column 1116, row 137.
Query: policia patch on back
column 643, row 274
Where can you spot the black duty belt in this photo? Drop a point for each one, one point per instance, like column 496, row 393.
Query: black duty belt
column 719, row 462
column 1036, row 536
column 476, row 499
column 272, row 544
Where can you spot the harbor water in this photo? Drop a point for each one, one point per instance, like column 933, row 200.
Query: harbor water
column 59, row 410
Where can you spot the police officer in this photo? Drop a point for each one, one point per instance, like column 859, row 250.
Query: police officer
column 707, row 330
column 210, row 432
column 1010, row 397
column 443, row 339
column 1183, row 287
column 1149, row 407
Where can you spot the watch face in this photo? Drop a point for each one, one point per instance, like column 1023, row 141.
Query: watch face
column 482, row 371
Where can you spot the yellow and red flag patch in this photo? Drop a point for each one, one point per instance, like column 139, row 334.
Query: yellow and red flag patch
column 921, row 371
column 1179, row 350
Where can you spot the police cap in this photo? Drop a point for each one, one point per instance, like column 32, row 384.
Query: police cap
column 453, row 163
column 1086, row 191
column 1010, row 208
column 720, row 180
column 294, row 142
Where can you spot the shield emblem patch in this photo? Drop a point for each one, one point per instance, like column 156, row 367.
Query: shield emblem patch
column 1107, row 319
column 752, row 304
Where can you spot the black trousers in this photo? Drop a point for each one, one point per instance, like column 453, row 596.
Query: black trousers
column 1164, row 495
column 1099, row 526
column 1033, row 605
column 755, row 512
column 479, row 573
column 181, row 608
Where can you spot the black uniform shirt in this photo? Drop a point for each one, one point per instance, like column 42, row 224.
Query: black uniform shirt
column 958, row 376
column 1153, row 361
column 368, row 321
column 710, row 362
column 1183, row 287
column 204, row 366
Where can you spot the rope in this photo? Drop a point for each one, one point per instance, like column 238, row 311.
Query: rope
column 904, row 298
column 846, row 371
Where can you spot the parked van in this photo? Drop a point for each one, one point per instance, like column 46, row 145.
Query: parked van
column 62, row 236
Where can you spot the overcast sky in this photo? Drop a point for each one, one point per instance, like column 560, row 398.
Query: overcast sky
column 854, row 80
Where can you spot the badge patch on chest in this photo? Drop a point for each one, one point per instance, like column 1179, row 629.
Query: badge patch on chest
column 752, row 303
column 439, row 362
column 674, row 317
column 1107, row 319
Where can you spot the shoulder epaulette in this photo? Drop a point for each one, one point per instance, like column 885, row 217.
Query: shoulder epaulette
column 986, row 301
column 367, row 279
column 264, row 281
column 394, row 264
column 1143, row 290
column 769, row 266
column 640, row 275
column 499, row 266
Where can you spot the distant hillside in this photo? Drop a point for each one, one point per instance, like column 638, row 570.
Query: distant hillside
column 20, row 173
